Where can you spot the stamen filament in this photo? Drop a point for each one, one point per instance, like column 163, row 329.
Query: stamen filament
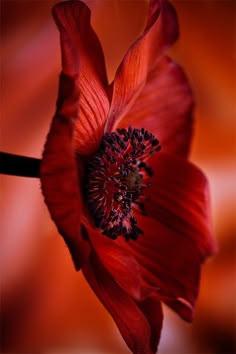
column 115, row 178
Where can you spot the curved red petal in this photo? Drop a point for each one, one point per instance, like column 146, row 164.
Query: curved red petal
column 161, row 31
column 165, row 108
column 131, row 322
column 82, row 55
column 59, row 176
column 171, row 263
column 177, row 233
column 151, row 307
column 179, row 198
column 117, row 262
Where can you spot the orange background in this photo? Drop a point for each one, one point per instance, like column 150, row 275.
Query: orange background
column 47, row 306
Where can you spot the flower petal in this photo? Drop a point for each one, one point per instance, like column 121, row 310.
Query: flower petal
column 177, row 234
column 161, row 31
column 59, row 176
column 151, row 307
column 180, row 199
column 170, row 263
column 82, row 55
column 131, row 322
column 117, row 261
column 164, row 107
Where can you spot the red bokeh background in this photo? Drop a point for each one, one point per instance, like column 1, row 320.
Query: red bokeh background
column 47, row 306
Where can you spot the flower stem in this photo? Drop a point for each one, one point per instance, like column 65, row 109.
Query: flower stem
column 17, row 165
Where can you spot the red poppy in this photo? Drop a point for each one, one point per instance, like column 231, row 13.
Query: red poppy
column 135, row 219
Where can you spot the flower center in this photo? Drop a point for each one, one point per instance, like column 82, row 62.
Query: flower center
column 115, row 179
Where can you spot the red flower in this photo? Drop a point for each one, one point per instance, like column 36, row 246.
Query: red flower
column 136, row 220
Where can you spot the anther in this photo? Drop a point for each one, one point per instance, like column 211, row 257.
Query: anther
column 115, row 180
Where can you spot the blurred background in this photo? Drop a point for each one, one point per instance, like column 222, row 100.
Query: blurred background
column 47, row 306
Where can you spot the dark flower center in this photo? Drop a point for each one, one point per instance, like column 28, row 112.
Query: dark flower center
column 115, row 178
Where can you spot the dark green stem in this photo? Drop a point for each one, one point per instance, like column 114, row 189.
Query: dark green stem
column 17, row 165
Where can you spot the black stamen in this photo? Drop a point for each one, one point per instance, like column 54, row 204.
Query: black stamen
column 116, row 177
